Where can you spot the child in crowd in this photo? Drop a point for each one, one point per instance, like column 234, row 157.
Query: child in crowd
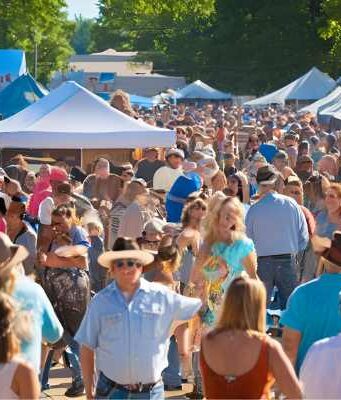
column 98, row 274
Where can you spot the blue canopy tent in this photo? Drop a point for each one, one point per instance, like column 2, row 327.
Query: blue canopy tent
column 19, row 94
column 310, row 87
column 200, row 91
column 141, row 101
column 12, row 65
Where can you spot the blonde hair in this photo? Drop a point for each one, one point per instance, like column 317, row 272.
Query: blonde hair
column 244, row 306
column 212, row 220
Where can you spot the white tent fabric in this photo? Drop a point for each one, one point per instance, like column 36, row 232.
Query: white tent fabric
column 199, row 90
column 311, row 86
column 320, row 105
column 325, row 115
column 72, row 117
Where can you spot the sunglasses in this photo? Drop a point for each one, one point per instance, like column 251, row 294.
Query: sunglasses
column 151, row 241
column 128, row 263
column 128, row 174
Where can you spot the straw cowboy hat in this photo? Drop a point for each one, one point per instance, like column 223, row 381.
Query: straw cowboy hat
column 10, row 254
column 125, row 249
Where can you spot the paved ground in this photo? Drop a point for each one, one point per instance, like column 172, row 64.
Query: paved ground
column 60, row 380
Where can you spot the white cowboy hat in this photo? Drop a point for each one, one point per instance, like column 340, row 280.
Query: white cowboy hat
column 107, row 258
column 10, row 254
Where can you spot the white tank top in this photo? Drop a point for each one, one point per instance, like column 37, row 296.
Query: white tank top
column 7, row 372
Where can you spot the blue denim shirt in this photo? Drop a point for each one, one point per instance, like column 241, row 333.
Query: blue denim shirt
column 131, row 340
column 277, row 225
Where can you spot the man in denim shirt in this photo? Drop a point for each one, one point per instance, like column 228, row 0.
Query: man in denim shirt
column 127, row 327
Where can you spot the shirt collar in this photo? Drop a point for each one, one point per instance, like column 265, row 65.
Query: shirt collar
column 144, row 285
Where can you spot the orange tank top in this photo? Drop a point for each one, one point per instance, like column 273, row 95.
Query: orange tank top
column 254, row 384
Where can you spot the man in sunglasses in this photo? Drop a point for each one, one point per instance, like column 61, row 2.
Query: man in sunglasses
column 127, row 328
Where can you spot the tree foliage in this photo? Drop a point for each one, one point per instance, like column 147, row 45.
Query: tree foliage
column 247, row 46
column 24, row 23
column 81, row 40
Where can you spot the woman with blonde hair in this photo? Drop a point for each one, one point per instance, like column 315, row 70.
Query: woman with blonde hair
column 18, row 379
column 226, row 253
column 238, row 360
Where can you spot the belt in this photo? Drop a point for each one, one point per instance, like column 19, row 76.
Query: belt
column 276, row 256
column 134, row 388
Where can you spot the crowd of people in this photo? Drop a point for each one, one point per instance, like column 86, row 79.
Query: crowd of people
column 215, row 262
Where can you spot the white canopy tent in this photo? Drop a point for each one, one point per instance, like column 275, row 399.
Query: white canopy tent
column 319, row 105
column 199, row 90
column 71, row 117
column 311, row 86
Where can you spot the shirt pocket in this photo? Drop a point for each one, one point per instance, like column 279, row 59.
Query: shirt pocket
column 152, row 320
column 112, row 327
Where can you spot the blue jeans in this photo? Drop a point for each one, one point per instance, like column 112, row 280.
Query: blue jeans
column 105, row 390
column 72, row 354
column 280, row 272
column 172, row 374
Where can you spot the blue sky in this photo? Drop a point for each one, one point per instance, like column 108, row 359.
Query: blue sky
column 87, row 8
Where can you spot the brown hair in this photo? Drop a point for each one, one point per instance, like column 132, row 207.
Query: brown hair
column 185, row 219
column 9, row 343
column 220, row 174
column 67, row 212
column 244, row 306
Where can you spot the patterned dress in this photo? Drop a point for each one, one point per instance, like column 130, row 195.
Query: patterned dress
column 216, row 286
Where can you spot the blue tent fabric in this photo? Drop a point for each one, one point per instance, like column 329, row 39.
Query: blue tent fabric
column 106, row 77
column 12, row 65
column 20, row 94
column 104, row 95
column 311, row 86
column 199, row 90
column 141, row 101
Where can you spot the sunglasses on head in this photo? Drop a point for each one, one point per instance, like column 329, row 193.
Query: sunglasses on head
column 128, row 263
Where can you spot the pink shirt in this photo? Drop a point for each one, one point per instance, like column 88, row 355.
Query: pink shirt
column 3, row 225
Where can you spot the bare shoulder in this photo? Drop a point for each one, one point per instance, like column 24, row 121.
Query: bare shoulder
column 24, row 371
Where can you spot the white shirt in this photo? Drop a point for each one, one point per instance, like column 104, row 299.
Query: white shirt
column 45, row 211
column 164, row 178
column 320, row 372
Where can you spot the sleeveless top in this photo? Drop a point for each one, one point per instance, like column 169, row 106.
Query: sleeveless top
column 254, row 384
column 7, row 372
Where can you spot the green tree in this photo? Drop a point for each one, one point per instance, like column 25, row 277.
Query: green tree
column 81, row 40
column 42, row 23
column 173, row 33
column 261, row 45
column 331, row 32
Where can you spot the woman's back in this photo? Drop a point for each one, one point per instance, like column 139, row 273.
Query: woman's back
column 236, row 365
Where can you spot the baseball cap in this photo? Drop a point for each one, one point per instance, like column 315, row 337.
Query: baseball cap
column 175, row 152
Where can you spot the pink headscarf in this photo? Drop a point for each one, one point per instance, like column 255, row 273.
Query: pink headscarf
column 42, row 189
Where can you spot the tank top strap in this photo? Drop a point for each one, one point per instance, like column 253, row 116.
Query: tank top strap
column 263, row 359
